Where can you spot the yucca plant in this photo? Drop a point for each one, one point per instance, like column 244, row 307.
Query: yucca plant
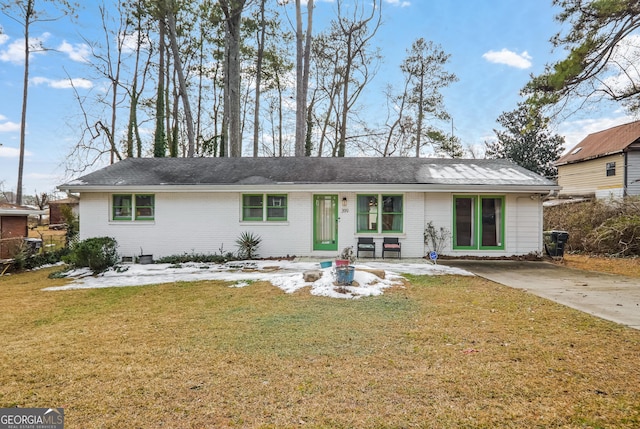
column 248, row 244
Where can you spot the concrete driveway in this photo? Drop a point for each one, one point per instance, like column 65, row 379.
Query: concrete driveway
column 610, row 297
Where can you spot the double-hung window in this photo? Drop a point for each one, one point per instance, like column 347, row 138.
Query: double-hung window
column 478, row 222
column 379, row 213
column 139, row 207
column 611, row 169
column 264, row 207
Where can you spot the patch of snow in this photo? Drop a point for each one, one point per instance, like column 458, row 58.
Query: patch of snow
column 284, row 274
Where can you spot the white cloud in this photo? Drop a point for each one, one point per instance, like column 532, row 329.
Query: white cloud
column 624, row 75
column 9, row 152
column 401, row 3
column 130, row 42
column 3, row 38
column 8, row 127
column 14, row 53
column 509, row 58
column 79, row 52
column 62, row 83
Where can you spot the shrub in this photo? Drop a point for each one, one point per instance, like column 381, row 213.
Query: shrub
column 196, row 257
column 46, row 258
column 98, row 254
column 619, row 236
column 72, row 223
column 435, row 239
column 601, row 226
column 248, row 244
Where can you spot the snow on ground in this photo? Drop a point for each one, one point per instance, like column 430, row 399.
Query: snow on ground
column 285, row 274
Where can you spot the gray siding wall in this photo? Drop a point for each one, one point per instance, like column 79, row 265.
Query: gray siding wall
column 633, row 173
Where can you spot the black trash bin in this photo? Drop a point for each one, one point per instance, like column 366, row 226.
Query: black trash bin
column 554, row 242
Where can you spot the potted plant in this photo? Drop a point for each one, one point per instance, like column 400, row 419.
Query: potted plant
column 346, row 257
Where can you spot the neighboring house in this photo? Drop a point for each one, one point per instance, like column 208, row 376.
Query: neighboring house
column 312, row 206
column 55, row 210
column 604, row 164
column 14, row 227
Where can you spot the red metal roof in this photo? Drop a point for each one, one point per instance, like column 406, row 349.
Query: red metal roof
column 602, row 143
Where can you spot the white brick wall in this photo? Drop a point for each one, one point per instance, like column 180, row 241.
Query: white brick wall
column 203, row 222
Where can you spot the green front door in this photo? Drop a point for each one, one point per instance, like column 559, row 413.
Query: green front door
column 325, row 222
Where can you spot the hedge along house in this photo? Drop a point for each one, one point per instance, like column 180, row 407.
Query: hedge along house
column 605, row 164
column 312, row 206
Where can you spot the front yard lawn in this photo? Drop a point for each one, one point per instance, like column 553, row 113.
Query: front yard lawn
column 443, row 351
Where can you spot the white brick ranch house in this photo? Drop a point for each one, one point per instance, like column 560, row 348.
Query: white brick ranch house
column 312, row 206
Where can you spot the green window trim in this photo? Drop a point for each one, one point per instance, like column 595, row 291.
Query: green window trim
column 133, row 207
column 252, row 205
column 478, row 222
column 145, row 207
column 380, row 213
column 276, row 207
column 122, row 206
column 264, row 207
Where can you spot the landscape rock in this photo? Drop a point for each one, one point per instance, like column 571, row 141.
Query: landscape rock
column 312, row 275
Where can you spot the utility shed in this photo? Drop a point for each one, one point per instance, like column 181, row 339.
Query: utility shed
column 14, row 228
column 313, row 206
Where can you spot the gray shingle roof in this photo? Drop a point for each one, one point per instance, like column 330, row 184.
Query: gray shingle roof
column 311, row 170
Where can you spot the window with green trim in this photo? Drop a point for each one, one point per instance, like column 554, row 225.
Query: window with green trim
column 255, row 209
column 124, row 206
column 478, row 222
column 276, row 207
column 379, row 213
column 145, row 207
column 252, row 207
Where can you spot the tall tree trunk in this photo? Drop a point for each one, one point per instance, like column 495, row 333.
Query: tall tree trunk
column 256, row 110
column 184, row 95
column 160, row 138
column 233, row 19
column 199, row 137
column 133, row 106
column 420, row 114
column 303, row 52
column 25, row 92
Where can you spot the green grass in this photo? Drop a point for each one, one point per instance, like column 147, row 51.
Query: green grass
column 442, row 352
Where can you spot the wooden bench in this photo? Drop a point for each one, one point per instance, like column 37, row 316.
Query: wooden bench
column 391, row 244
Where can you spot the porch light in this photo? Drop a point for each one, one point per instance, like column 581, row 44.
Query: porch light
column 344, row 201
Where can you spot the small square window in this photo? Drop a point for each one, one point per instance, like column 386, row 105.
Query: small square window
column 611, row 169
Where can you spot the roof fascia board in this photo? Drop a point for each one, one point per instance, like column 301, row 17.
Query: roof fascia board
column 317, row 188
column 21, row 212
column 590, row 158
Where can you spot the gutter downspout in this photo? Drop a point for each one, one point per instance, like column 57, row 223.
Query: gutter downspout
column 626, row 174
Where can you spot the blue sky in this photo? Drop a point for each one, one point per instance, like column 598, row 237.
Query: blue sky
column 495, row 45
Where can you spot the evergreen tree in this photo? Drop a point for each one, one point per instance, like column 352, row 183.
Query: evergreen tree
column 527, row 141
column 602, row 55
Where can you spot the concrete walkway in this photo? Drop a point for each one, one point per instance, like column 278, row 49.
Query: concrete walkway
column 610, row 297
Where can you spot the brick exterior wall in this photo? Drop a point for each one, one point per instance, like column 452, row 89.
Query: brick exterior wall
column 12, row 230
